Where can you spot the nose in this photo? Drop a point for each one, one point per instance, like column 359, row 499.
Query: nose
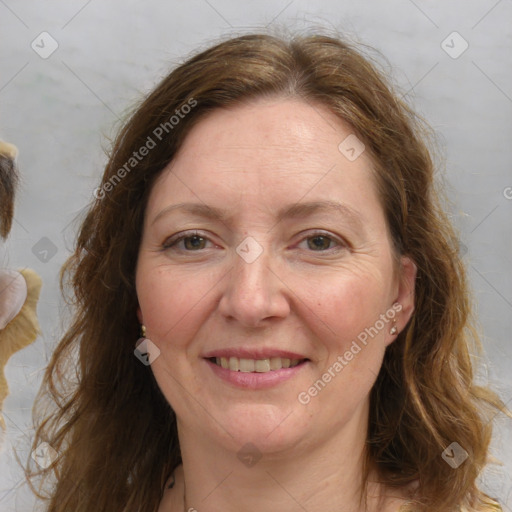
column 255, row 291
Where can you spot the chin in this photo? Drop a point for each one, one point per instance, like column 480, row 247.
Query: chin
column 270, row 428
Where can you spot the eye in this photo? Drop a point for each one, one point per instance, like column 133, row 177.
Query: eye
column 321, row 242
column 193, row 241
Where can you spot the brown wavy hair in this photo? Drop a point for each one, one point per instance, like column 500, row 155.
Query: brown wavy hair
column 113, row 430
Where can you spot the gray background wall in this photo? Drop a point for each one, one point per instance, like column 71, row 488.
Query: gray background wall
column 58, row 109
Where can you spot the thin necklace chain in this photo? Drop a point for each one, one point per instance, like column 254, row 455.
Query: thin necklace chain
column 404, row 507
column 191, row 509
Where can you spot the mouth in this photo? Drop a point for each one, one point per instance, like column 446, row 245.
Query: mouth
column 243, row 365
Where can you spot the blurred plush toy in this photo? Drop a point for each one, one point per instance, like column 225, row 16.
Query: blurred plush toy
column 19, row 291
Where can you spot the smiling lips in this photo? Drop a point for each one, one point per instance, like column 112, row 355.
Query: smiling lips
column 251, row 360
column 236, row 364
column 256, row 373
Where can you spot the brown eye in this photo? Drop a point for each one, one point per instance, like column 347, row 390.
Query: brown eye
column 323, row 242
column 192, row 242
column 319, row 242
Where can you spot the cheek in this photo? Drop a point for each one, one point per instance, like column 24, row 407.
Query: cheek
column 170, row 302
column 166, row 301
column 350, row 310
column 176, row 302
column 348, row 304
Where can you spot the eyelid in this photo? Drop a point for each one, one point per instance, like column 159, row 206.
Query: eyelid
column 319, row 232
column 171, row 241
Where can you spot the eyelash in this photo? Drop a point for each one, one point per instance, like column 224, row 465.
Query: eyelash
column 170, row 243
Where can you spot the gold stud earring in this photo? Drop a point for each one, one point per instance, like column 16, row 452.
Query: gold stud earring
column 143, row 331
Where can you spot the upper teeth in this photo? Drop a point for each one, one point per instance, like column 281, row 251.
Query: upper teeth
column 256, row 365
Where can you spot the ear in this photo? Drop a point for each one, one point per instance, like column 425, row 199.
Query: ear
column 405, row 294
column 139, row 315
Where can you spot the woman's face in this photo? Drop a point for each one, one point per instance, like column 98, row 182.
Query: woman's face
column 298, row 266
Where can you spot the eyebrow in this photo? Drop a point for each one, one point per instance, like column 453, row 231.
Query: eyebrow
column 297, row 210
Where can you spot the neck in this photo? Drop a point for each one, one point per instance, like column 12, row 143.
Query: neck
column 308, row 476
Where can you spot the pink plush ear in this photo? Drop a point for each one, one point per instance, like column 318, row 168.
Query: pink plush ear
column 20, row 331
column 13, row 293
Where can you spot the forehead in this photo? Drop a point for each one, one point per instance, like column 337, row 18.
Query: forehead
column 265, row 153
column 287, row 129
